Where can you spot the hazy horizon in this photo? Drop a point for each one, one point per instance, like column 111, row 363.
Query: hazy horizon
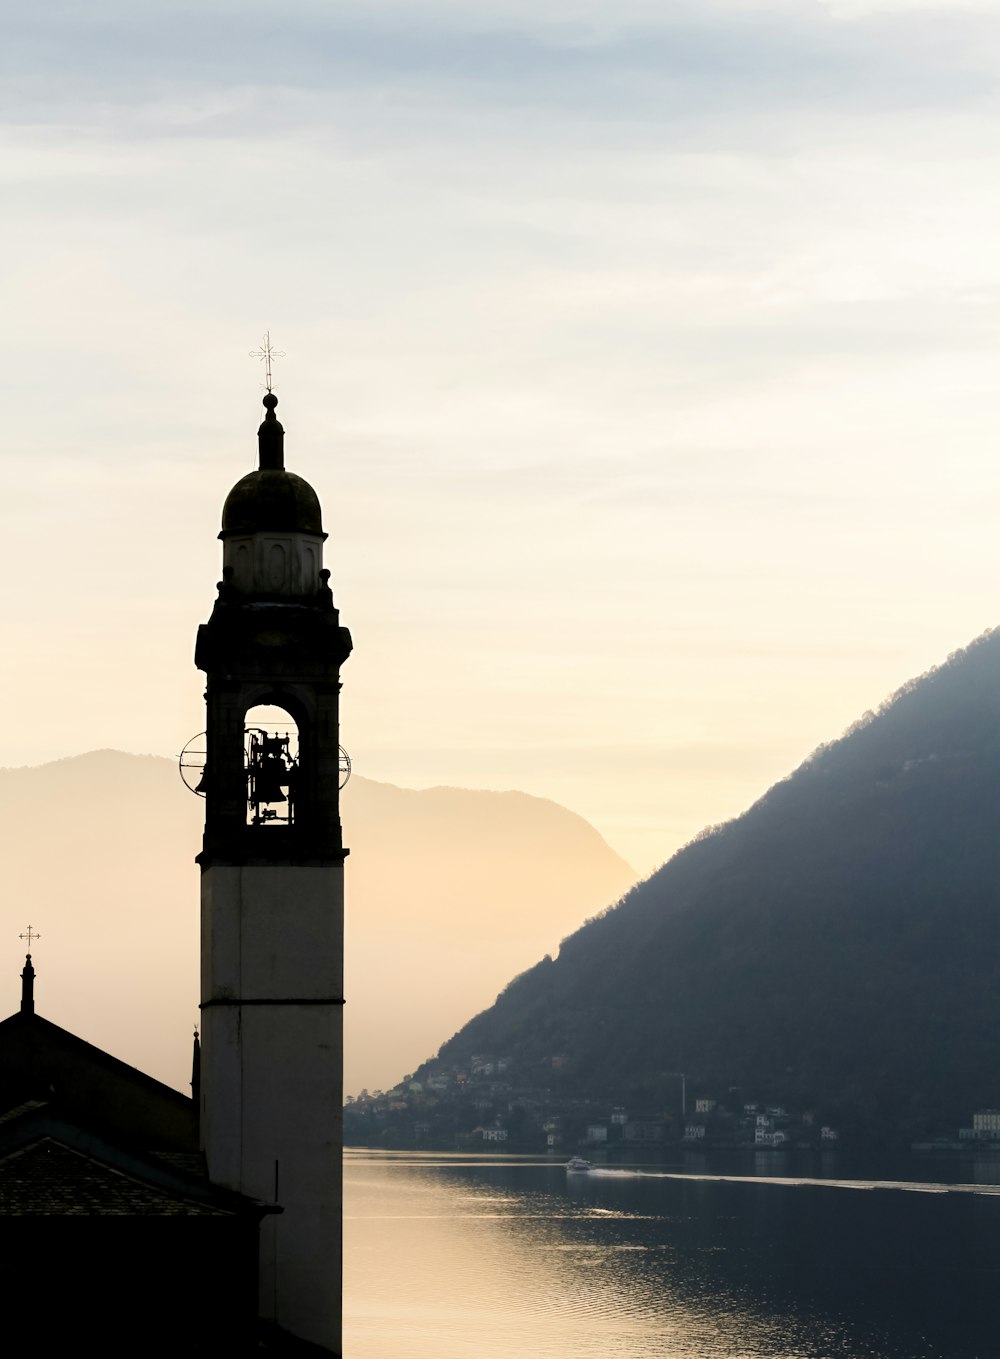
column 440, row 915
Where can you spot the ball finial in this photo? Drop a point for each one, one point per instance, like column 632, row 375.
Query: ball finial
column 270, row 401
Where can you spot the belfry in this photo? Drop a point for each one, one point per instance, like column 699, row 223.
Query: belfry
column 272, row 894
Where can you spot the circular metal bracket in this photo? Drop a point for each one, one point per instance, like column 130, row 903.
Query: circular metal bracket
column 191, row 763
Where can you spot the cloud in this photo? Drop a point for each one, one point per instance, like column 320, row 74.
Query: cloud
column 399, row 71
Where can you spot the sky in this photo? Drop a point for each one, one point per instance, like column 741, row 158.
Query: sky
column 645, row 358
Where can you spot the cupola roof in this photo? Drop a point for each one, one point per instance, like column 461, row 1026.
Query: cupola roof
column 271, row 498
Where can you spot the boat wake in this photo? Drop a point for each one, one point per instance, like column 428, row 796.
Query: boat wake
column 805, row 1182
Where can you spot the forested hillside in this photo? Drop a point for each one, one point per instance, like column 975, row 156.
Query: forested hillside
column 838, row 944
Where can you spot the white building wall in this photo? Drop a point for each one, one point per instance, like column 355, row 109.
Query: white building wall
column 272, row 1074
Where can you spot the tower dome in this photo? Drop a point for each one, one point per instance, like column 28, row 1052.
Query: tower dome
column 271, row 497
column 272, row 525
column 268, row 499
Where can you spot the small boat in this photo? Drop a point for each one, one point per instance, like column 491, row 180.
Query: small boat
column 576, row 1165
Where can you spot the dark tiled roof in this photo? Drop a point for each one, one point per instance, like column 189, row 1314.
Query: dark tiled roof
column 28, row 1107
column 46, row 1033
column 50, row 1165
column 41, row 1061
column 47, row 1178
column 188, row 1162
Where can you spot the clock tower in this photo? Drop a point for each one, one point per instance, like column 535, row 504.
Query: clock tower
column 272, row 887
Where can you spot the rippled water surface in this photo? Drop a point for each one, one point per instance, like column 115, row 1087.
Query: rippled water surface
column 461, row 1257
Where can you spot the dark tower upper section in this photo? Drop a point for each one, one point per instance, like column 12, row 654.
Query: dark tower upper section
column 274, row 637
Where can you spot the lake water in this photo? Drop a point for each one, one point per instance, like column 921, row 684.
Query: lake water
column 487, row 1257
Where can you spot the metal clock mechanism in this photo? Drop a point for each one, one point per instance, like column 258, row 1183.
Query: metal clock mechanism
column 271, row 768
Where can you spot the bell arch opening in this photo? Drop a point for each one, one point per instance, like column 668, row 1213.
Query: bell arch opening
column 271, row 765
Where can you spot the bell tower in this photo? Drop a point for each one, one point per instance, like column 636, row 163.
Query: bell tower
column 272, row 887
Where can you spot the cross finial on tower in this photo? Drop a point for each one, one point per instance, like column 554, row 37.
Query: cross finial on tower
column 29, row 934
column 266, row 353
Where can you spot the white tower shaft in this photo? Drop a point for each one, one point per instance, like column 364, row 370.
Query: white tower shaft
column 272, row 980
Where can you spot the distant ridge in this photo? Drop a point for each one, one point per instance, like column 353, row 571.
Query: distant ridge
column 836, row 945
column 448, row 891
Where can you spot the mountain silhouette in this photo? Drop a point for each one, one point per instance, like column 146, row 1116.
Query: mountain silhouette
column 448, row 892
column 837, row 945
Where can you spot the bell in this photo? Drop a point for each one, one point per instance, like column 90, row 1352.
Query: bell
column 268, row 780
column 202, row 785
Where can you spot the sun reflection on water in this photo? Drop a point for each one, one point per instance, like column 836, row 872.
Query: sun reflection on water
column 462, row 1258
